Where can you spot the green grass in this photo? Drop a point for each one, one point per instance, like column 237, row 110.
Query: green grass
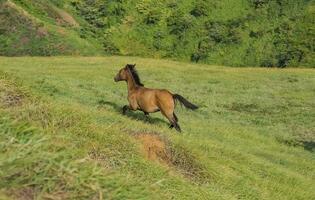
column 62, row 135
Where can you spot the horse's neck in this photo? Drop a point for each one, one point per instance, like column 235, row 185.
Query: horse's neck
column 131, row 84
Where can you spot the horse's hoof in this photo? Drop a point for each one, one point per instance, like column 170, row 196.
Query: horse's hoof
column 178, row 129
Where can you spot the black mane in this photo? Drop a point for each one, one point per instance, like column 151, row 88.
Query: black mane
column 134, row 74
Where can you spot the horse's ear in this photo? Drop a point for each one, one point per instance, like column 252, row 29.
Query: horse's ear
column 132, row 66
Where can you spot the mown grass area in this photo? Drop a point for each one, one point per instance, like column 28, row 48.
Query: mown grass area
column 62, row 134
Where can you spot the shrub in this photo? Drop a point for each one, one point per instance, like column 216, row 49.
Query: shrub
column 223, row 32
column 288, row 51
column 101, row 14
column 200, row 8
column 157, row 43
column 152, row 17
column 258, row 3
column 150, row 11
column 201, row 53
column 179, row 22
column 108, row 45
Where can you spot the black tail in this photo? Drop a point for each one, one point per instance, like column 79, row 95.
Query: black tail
column 184, row 101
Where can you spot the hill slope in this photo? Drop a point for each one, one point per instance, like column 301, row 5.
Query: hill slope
column 33, row 32
column 235, row 33
column 62, row 135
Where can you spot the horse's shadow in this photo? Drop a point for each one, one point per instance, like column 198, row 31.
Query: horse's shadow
column 309, row 145
column 136, row 115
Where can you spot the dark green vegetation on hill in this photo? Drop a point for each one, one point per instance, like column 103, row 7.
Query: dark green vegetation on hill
column 227, row 32
column 62, row 135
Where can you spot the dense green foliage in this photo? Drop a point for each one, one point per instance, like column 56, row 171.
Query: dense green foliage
column 62, row 134
column 236, row 33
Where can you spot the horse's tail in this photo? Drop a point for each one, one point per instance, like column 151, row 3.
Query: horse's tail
column 184, row 102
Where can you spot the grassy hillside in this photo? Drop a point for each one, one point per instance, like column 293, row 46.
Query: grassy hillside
column 62, row 135
column 235, row 33
column 40, row 28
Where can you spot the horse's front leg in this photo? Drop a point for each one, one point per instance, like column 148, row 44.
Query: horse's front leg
column 146, row 114
column 124, row 109
column 130, row 107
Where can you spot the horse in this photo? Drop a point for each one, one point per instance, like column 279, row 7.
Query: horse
column 150, row 100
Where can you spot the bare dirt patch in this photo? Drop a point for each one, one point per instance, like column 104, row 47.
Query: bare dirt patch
column 42, row 32
column 29, row 193
column 158, row 149
column 24, row 40
column 154, row 148
column 26, row 193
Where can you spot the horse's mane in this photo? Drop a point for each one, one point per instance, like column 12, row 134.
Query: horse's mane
column 134, row 74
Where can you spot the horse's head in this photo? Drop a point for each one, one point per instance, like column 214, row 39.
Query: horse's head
column 122, row 74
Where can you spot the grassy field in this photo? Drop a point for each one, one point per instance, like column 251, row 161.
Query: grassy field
column 62, row 134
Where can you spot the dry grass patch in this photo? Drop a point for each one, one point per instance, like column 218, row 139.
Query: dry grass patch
column 154, row 148
column 65, row 18
column 26, row 193
column 9, row 95
column 158, row 149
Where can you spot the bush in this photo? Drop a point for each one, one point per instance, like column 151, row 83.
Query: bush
column 152, row 17
column 223, row 32
column 200, row 8
column 201, row 53
column 288, row 51
column 100, row 14
column 179, row 22
column 150, row 11
column 258, row 3
column 108, row 44
column 157, row 42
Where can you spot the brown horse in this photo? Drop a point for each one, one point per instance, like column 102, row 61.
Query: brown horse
column 150, row 100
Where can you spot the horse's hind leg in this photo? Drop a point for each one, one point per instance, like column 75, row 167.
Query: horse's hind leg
column 177, row 127
column 173, row 120
column 176, row 119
